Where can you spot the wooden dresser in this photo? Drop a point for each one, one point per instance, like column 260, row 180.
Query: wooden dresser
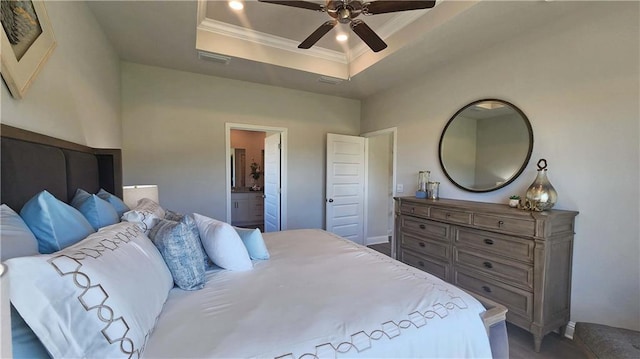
column 518, row 258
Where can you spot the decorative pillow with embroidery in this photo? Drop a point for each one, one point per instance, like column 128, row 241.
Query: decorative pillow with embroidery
column 146, row 214
column 99, row 298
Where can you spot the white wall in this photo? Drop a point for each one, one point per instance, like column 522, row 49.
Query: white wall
column 174, row 136
column 76, row 95
column 578, row 82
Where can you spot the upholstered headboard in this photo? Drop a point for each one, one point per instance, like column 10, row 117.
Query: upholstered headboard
column 32, row 162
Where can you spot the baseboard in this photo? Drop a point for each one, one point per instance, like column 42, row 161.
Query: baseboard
column 377, row 240
column 571, row 328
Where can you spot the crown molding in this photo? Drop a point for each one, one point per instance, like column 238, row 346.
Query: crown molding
column 264, row 39
column 395, row 24
column 201, row 11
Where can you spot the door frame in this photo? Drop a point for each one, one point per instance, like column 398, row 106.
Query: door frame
column 228, row 126
column 394, row 132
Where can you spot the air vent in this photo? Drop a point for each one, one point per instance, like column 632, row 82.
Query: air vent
column 330, row 80
column 208, row 56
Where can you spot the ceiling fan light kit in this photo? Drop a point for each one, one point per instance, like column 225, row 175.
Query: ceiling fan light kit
column 346, row 11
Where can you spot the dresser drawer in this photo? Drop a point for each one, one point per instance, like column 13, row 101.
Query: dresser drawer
column 512, row 272
column 431, row 266
column 503, row 245
column 414, row 209
column 425, row 246
column 450, row 215
column 514, row 225
column 518, row 301
column 431, row 229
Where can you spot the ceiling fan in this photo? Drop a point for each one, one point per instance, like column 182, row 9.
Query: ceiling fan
column 346, row 11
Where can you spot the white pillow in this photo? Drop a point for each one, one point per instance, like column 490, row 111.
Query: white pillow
column 17, row 239
column 147, row 213
column 222, row 244
column 98, row 298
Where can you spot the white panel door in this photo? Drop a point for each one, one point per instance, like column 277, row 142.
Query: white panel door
column 272, row 160
column 344, row 206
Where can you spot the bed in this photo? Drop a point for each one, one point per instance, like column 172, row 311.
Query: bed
column 318, row 295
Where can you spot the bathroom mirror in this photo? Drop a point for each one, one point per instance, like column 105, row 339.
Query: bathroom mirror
column 485, row 145
column 238, row 160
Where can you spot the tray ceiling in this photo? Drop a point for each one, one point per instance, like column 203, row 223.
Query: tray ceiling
column 261, row 42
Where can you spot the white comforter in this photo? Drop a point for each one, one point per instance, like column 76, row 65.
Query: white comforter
column 320, row 296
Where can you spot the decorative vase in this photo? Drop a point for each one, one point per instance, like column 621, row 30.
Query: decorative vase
column 514, row 202
column 541, row 195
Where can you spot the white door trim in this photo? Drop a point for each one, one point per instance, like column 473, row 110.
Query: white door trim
column 228, row 126
column 394, row 132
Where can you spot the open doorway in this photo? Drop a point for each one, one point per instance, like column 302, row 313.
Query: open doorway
column 360, row 186
column 256, row 171
column 380, row 189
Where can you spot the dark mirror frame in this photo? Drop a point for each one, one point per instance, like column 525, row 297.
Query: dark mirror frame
column 516, row 174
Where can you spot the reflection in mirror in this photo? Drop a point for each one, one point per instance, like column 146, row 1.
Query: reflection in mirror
column 238, row 159
column 485, row 145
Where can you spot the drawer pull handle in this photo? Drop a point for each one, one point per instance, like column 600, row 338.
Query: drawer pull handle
column 421, row 244
column 488, row 265
column 422, row 226
column 488, row 241
column 500, row 223
column 486, row 289
column 421, row 264
column 448, row 215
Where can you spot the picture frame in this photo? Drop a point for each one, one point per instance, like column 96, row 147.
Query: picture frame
column 27, row 43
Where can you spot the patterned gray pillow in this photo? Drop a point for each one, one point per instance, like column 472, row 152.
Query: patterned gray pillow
column 173, row 216
column 180, row 246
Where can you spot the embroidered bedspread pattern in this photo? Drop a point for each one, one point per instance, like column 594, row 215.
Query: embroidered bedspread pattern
column 320, row 296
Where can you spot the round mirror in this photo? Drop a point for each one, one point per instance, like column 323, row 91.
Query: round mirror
column 485, row 145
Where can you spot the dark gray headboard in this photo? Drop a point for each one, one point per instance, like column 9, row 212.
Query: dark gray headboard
column 32, row 162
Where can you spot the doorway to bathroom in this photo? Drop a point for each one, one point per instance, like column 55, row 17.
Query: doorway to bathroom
column 256, row 171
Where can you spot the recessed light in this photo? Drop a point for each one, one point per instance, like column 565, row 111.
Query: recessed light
column 342, row 37
column 236, row 5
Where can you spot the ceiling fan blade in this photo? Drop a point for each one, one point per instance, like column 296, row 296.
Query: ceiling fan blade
column 299, row 4
column 385, row 6
column 319, row 33
column 368, row 36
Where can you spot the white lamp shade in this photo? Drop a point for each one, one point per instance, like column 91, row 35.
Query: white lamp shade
column 132, row 194
column 5, row 328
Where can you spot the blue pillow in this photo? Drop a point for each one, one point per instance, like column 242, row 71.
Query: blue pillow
column 55, row 224
column 96, row 210
column 252, row 239
column 180, row 247
column 24, row 342
column 114, row 200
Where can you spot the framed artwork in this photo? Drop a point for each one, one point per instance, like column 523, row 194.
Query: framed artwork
column 27, row 43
